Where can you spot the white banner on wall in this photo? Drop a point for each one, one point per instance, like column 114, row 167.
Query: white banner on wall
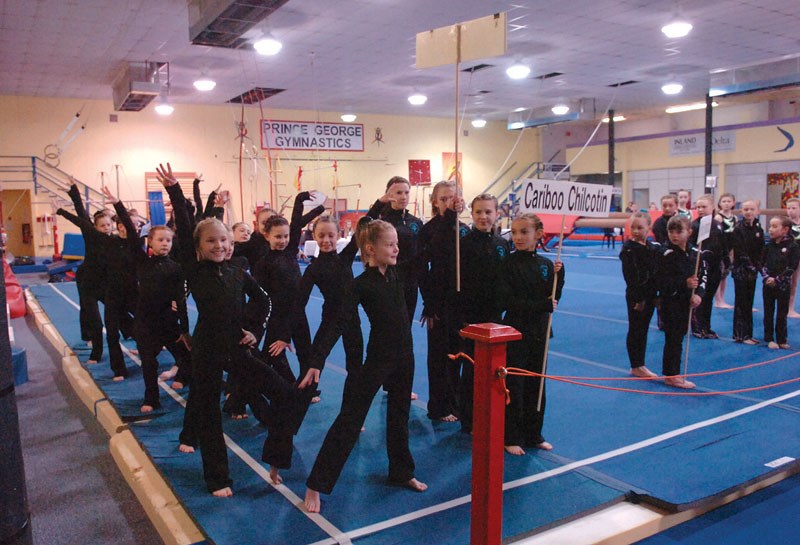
column 694, row 144
column 310, row 135
column 569, row 198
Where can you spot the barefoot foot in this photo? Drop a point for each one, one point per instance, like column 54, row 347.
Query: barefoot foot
column 186, row 449
column 312, row 501
column 449, row 418
column 167, row 375
column 515, row 450
column 414, row 396
column 91, row 362
column 677, row 382
column 415, row 485
column 243, row 416
column 274, row 476
column 177, row 385
column 223, row 492
column 315, row 399
column 544, row 445
column 643, row 372
column 146, row 408
column 118, row 378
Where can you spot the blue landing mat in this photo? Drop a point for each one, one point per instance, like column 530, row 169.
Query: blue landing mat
column 597, row 434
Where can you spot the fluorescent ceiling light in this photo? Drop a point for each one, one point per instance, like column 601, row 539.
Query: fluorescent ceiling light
column 348, row 118
column 689, row 107
column 715, row 92
column 520, row 109
column 616, row 119
column 204, row 83
column 518, row 71
column 164, row 108
column 268, row 46
column 560, row 109
column 677, row 29
column 672, row 88
column 417, row 99
column 479, row 123
column 517, row 125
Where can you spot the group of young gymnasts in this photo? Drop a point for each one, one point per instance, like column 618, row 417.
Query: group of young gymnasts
column 248, row 288
column 674, row 274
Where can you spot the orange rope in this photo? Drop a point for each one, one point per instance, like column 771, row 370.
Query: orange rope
column 524, row 373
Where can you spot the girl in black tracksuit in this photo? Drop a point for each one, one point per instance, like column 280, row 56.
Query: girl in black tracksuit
column 717, row 258
column 156, row 325
column 526, row 286
column 389, row 362
column 332, row 272
column 392, row 208
column 220, row 341
column 676, row 281
column 440, row 308
column 779, row 260
column 91, row 275
column 482, row 253
column 639, row 260
column 120, row 299
column 279, row 274
column 747, row 242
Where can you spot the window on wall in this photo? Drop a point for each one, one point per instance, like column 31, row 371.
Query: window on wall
column 641, row 197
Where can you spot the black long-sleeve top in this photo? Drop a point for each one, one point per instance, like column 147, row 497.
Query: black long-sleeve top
column 383, row 300
column 639, row 265
column 94, row 268
column 526, row 284
column 715, row 247
column 160, row 282
column 779, row 260
column 747, row 242
column 481, row 256
column 219, row 290
column 408, row 229
column 437, row 262
column 659, row 229
column 254, row 249
column 674, row 267
column 279, row 274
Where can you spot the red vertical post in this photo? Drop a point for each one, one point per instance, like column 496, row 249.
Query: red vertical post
column 489, row 401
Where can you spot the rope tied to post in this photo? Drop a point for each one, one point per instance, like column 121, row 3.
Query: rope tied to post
column 501, row 374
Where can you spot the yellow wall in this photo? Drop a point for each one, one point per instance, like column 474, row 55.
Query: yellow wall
column 204, row 139
column 16, row 205
column 753, row 145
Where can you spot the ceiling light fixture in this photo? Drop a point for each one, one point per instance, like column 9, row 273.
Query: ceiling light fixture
column 479, row 123
column 517, row 125
column 560, row 109
column 616, row 119
column 204, row 83
column 518, row 71
column 689, row 107
column 678, row 28
column 671, row 88
column 163, row 107
column 417, row 99
column 268, row 46
column 348, row 118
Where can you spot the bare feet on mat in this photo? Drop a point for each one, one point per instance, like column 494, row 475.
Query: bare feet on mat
column 91, row 362
column 678, row 382
column 772, row 345
column 544, row 445
column 146, row 408
column 363, row 429
column 785, row 346
column 415, row 485
column 274, row 476
column 186, row 449
column 118, row 378
column 315, row 399
column 136, row 353
column 167, row 375
column 449, row 418
column 223, row 492
column 515, row 450
column 751, row 342
column 243, row 416
column 414, row 396
column 643, row 372
column 177, row 384
column 793, row 315
column 312, row 501
column 727, row 306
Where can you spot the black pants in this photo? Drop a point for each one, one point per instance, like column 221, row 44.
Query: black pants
column 89, row 316
column 743, row 307
column 523, row 426
column 348, row 327
column 202, row 422
column 775, row 324
column 701, row 317
column 301, row 338
column 675, row 314
column 118, row 317
column 150, row 341
column 396, row 373
column 443, row 373
column 638, row 327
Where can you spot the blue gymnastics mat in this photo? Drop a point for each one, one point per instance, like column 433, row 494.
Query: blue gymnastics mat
column 672, row 450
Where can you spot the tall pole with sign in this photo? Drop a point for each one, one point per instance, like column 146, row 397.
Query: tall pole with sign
column 564, row 198
column 476, row 39
column 702, row 233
